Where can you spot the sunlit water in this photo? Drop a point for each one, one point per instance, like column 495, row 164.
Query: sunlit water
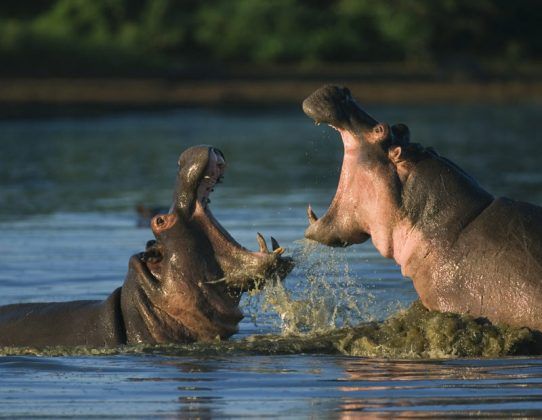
column 67, row 193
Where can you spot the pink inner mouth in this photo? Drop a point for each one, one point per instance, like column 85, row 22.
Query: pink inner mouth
column 340, row 225
column 202, row 212
column 213, row 175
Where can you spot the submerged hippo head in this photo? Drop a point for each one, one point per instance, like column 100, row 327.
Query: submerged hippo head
column 187, row 285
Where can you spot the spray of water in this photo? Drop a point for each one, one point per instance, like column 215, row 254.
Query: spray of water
column 321, row 294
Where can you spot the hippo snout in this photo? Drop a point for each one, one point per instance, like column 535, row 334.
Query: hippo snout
column 334, row 105
column 327, row 105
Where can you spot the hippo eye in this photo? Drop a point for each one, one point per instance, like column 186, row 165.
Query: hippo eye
column 160, row 221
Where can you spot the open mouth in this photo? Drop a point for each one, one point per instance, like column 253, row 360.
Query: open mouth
column 359, row 132
column 201, row 170
column 214, row 175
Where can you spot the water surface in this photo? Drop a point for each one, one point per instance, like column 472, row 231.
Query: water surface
column 68, row 188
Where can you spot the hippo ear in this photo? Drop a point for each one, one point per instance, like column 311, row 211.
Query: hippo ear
column 400, row 134
column 219, row 153
column 378, row 133
column 395, row 154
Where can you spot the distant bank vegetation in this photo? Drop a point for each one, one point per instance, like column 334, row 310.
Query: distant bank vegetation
column 93, row 37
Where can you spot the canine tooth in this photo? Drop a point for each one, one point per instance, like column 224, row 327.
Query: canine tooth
column 279, row 250
column 261, row 242
column 311, row 215
column 274, row 244
column 223, row 279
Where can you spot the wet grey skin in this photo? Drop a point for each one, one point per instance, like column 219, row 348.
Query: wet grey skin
column 184, row 287
column 465, row 250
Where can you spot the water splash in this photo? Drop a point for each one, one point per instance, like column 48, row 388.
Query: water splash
column 321, row 294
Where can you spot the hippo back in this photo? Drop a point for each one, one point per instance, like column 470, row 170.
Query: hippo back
column 440, row 199
column 78, row 323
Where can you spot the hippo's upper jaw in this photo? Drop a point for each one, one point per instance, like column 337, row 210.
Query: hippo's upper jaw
column 195, row 271
column 336, row 107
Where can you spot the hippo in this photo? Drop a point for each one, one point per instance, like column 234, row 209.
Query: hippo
column 185, row 287
column 465, row 250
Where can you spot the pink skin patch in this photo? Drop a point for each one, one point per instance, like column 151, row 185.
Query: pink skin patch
column 367, row 202
column 213, row 174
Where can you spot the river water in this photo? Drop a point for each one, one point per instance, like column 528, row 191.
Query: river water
column 68, row 188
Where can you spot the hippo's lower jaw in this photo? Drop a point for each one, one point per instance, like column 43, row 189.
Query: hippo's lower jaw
column 243, row 270
column 465, row 251
column 331, row 230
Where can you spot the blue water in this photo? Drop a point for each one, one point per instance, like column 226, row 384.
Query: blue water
column 68, row 188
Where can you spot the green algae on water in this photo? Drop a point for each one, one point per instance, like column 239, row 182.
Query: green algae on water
column 420, row 333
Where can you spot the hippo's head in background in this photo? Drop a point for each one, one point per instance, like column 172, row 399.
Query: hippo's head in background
column 368, row 178
column 187, row 285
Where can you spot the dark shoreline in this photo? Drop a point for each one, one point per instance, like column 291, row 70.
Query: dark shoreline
column 39, row 97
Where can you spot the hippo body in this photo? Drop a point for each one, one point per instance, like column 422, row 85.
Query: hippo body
column 185, row 287
column 503, row 281
column 477, row 254
column 465, row 250
column 82, row 322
